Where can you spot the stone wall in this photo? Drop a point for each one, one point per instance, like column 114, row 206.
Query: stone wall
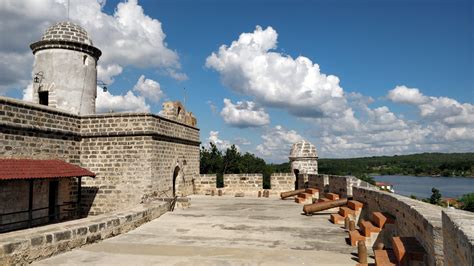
column 458, row 237
column 249, row 184
column 204, row 184
column 413, row 218
column 281, row 182
column 26, row 246
column 136, row 156
column 319, row 181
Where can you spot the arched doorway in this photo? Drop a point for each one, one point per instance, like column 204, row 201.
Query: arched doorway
column 175, row 176
column 296, row 172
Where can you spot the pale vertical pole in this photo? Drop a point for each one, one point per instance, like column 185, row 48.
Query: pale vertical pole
column 184, row 100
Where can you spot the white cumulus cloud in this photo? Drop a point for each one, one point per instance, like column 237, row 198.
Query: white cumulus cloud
column 128, row 37
column 277, row 143
column 129, row 102
column 107, row 73
column 244, row 114
column 403, row 94
column 149, row 89
column 250, row 66
column 440, row 109
column 220, row 143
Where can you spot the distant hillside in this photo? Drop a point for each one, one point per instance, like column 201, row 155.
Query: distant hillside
column 436, row 164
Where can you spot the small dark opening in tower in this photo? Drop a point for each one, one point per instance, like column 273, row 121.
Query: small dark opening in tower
column 43, row 97
column 297, row 180
column 179, row 110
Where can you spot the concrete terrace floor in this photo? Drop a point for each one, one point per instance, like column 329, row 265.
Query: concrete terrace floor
column 224, row 231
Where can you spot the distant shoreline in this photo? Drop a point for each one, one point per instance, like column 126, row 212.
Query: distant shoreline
column 422, row 175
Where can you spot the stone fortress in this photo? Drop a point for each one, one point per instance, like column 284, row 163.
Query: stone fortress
column 139, row 158
column 135, row 156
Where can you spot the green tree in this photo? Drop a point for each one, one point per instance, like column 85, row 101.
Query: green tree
column 231, row 161
column 435, row 196
column 366, row 178
column 467, row 201
column 210, row 160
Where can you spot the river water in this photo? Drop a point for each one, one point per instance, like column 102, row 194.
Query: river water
column 420, row 186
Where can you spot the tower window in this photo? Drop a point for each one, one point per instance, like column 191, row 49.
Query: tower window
column 43, row 97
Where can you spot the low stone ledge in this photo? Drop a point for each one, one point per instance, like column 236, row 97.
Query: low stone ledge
column 458, row 237
column 26, row 246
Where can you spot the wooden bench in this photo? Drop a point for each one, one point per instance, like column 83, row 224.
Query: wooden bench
column 336, row 218
column 323, row 200
column 346, row 211
column 305, row 195
column 355, row 205
column 380, row 219
column 407, row 249
column 385, row 258
column 355, row 236
column 312, row 190
column 332, row 196
column 368, row 228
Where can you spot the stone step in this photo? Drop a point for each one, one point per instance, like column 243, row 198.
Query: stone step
column 336, row 218
column 355, row 205
column 368, row 228
column 380, row 219
column 332, row 196
column 408, row 249
column 346, row 211
column 385, row 258
column 355, row 236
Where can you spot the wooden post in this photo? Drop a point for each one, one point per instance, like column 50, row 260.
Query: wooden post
column 362, row 251
column 379, row 246
column 79, row 196
column 352, row 225
column 30, row 203
column 347, row 221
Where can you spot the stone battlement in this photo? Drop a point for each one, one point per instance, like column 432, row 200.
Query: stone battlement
column 446, row 235
column 136, row 156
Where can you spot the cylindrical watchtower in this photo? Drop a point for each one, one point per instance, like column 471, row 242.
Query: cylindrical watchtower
column 65, row 69
column 304, row 161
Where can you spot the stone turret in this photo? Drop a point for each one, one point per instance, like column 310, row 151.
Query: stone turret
column 64, row 70
column 304, row 158
column 175, row 111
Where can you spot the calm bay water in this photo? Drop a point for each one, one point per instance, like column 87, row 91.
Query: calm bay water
column 420, row 186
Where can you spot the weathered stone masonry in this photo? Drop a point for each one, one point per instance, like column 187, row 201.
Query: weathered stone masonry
column 135, row 155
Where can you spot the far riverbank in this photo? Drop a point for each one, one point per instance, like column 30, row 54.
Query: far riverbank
column 420, row 186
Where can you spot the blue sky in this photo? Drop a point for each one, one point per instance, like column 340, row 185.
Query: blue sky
column 423, row 47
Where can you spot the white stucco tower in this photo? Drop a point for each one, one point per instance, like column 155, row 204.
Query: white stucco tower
column 304, row 158
column 65, row 69
column 304, row 162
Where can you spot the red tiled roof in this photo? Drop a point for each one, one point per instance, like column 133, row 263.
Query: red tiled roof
column 382, row 184
column 29, row 169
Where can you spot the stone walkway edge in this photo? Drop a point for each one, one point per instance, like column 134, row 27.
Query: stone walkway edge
column 26, row 246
